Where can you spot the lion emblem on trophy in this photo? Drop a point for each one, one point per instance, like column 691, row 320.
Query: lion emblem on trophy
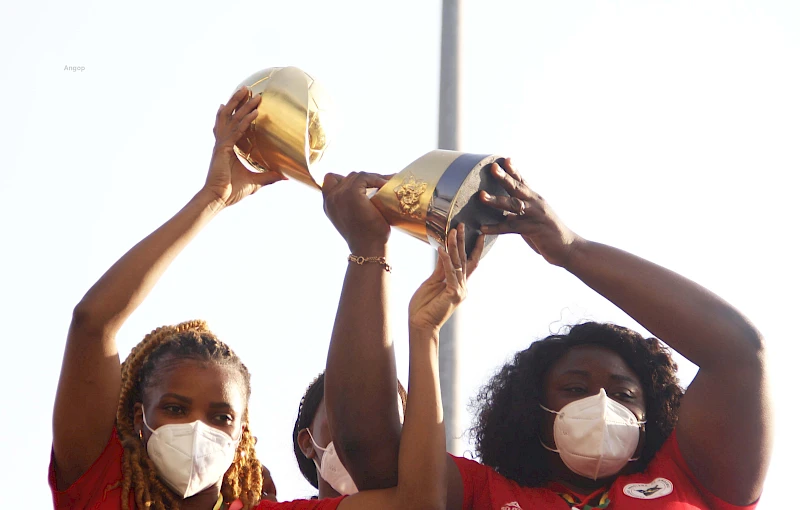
column 409, row 193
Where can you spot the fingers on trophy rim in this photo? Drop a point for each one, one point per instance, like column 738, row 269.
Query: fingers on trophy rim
column 511, row 170
column 370, row 179
column 455, row 245
column 247, row 108
column 234, row 100
column 449, row 264
column 510, row 180
column 462, row 248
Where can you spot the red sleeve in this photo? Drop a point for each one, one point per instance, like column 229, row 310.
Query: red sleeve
column 475, row 477
column 91, row 490
column 302, row 504
column 672, row 450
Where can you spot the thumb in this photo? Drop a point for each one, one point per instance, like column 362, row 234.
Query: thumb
column 330, row 181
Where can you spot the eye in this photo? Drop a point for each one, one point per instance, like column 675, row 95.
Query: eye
column 174, row 409
column 224, row 418
column 624, row 395
column 575, row 389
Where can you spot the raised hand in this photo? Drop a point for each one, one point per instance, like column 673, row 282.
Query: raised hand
column 227, row 178
column 346, row 204
column 438, row 296
column 530, row 216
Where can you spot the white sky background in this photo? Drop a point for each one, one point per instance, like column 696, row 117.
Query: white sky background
column 669, row 129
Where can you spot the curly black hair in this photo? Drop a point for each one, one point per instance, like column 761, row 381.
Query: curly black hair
column 507, row 413
column 305, row 417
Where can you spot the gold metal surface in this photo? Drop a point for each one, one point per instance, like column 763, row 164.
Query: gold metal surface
column 408, row 194
column 290, row 133
column 427, row 169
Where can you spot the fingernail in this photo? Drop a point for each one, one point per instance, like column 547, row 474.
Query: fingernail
column 485, row 195
column 461, row 228
column 500, row 172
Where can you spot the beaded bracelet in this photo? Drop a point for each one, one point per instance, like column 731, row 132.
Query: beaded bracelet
column 360, row 260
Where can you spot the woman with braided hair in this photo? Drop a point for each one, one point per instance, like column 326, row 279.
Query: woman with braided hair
column 124, row 438
column 168, row 429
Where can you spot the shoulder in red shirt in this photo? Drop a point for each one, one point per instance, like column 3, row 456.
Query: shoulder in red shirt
column 100, row 489
column 666, row 484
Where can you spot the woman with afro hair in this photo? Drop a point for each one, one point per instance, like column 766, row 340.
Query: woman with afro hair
column 594, row 417
column 168, row 428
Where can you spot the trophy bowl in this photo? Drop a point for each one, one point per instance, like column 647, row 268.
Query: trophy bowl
column 425, row 200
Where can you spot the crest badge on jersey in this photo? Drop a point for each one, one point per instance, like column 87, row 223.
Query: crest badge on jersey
column 511, row 506
column 658, row 488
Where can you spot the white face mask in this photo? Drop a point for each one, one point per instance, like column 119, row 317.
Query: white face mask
column 190, row 457
column 332, row 470
column 595, row 436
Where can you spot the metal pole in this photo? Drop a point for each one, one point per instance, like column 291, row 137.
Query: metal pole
column 449, row 138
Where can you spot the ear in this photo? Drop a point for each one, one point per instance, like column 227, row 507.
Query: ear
column 304, row 442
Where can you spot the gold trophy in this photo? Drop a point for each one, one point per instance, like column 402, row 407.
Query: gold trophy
column 427, row 198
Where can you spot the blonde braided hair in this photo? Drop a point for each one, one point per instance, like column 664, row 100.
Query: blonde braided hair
column 192, row 340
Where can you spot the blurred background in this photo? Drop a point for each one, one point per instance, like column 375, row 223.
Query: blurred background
column 669, row 129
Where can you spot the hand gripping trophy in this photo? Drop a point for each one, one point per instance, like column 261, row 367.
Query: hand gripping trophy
column 434, row 193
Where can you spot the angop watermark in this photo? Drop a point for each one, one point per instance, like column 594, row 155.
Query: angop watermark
column 74, row 69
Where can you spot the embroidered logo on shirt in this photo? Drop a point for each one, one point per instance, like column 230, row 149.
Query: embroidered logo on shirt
column 511, row 506
column 658, row 488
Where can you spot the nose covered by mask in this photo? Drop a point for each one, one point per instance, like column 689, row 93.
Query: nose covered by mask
column 190, row 457
column 332, row 470
column 595, row 436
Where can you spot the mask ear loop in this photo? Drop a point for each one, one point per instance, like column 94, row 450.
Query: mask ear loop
column 641, row 431
column 312, row 439
column 540, row 437
column 144, row 420
column 314, row 460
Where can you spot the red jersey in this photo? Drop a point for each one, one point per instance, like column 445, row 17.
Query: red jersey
column 666, row 484
column 99, row 487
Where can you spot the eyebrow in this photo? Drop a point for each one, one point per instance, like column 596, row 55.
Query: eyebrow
column 624, row 378
column 575, row 371
column 616, row 377
column 186, row 400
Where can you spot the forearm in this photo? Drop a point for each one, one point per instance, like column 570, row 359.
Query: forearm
column 126, row 284
column 691, row 319
column 423, row 461
column 361, row 362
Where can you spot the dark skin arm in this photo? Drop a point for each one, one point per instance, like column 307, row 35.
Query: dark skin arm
column 89, row 385
column 422, row 468
column 361, row 377
column 368, row 448
column 724, row 427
